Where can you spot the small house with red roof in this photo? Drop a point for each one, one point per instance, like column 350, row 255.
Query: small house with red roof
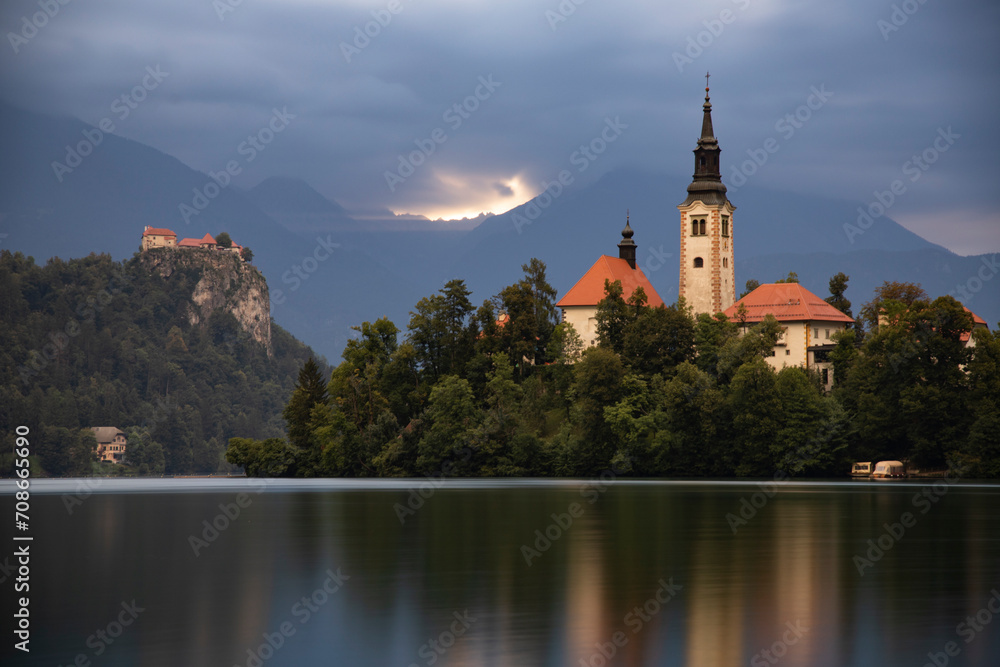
column 207, row 242
column 158, row 237
column 579, row 304
column 977, row 323
column 809, row 323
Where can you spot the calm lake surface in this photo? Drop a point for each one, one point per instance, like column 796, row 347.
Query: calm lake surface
column 645, row 573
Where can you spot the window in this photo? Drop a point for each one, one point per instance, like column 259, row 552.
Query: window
column 816, row 334
column 698, row 262
column 787, row 352
column 826, row 376
column 770, row 353
column 694, row 228
column 725, row 262
column 698, row 227
column 828, row 334
column 701, row 227
column 725, row 225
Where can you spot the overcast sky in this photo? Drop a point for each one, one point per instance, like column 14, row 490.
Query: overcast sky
column 892, row 84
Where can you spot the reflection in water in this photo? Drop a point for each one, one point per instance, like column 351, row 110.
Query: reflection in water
column 784, row 583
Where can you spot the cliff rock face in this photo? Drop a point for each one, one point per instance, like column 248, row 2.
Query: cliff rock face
column 225, row 282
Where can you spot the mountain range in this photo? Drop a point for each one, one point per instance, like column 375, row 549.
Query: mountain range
column 329, row 268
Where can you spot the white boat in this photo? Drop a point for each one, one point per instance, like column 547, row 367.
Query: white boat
column 889, row 470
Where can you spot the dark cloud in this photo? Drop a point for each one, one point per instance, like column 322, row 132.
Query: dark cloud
column 503, row 189
column 358, row 115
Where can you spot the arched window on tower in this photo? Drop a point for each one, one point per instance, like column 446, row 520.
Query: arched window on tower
column 725, row 225
column 694, row 228
column 725, row 262
column 698, row 262
column 701, row 227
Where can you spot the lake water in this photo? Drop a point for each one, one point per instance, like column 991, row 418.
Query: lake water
column 629, row 573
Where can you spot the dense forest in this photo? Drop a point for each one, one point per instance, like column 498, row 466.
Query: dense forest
column 94, row 342
column 467, row 392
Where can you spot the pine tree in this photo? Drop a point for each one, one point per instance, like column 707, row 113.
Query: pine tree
column 310, row 391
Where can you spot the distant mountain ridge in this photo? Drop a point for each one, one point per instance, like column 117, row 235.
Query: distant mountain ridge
column 328, row 271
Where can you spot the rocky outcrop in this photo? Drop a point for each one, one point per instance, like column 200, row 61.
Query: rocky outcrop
column 224, row 282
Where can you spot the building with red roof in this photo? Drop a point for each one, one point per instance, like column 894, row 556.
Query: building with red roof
column 158, row 237
column 579, row 304
column 153, row 237
column 977, row 323
column 809, row 323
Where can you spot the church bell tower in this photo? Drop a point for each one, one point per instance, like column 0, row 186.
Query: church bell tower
column 707, row 278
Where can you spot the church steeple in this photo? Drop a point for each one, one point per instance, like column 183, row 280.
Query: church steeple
column 707, row 133
column 707, row 185
column 627, row 247
column 707, row 277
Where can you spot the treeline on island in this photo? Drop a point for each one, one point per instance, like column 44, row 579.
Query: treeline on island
column 505, row 389
column 94, row 342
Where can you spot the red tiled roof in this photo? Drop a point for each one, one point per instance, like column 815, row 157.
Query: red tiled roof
column 189, row 243
column 976, row 319
column 157, row 231
column 207, row 238
column 788, row 302
column 589, row 290
column 976, row 322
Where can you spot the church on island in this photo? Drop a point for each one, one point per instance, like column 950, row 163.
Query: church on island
column 707, row 274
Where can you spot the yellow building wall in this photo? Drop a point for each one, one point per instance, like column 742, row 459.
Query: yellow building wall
column 156, row 241
column 584, row 320
column 711, row 288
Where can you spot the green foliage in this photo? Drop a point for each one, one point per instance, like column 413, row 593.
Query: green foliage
column 223, row 239
column 565, row 345
column 751, row 285
column 613, row 315
column 838, row 285
column 664, row 393
column 710, row 336
column 909, row 390
column 310, row 390
column 904, row 294
column 531, row 317
column 658, row 340
column 792, row 277
column 94, row 342
column 757, row 343
column 268, row 458
column 452, row 415
column 438, row 331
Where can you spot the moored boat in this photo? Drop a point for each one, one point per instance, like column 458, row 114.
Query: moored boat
column 861, row 469
column 889, row 470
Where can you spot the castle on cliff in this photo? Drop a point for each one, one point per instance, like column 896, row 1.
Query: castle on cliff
column 158, row 237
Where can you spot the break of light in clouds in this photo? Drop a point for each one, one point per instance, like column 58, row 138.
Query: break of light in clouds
column 559, row 78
